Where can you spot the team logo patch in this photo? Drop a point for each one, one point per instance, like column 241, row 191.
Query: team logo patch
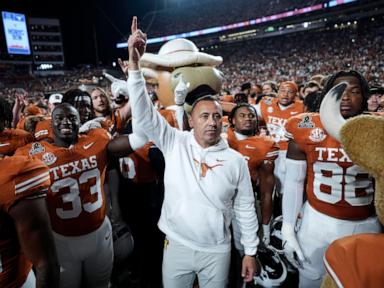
column 306, row 123
column 49, row 158
column 270, row 109
column 36, row 149
column 317, row 135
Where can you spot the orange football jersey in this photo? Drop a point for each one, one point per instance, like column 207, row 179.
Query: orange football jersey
column 275, row 118
column 11, row 139
column 114, row 123
column 76, row 199
column 357, row 261
column 335, row 186
column 137, row 166
column 43, row 130
column 255, row 150
column 20, row 177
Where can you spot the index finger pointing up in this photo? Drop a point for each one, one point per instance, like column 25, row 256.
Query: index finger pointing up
column 134, row 25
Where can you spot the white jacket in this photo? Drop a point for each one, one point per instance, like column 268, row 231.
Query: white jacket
column 204, row 188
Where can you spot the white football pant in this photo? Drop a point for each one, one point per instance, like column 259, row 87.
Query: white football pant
column 317, row 232
column 86, row 259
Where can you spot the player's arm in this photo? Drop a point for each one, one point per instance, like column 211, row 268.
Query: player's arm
column 296, row 167
column 125, row 113
column 267, row 184
column 124, row 145
column 36, row 240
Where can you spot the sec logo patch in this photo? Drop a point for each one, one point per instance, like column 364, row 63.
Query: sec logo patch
column 317, row 135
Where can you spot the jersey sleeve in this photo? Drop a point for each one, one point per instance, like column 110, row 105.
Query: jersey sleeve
column 298, row 128
column 273, row 151
column 100, row 134
column 349, row 261
column 32, row 177
column 43, row 130
column 290, row 128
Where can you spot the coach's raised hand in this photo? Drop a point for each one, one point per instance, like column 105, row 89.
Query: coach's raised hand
column 137, row 42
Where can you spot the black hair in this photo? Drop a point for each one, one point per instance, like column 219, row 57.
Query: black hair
column 363, row 83
column 70, row 98
column 5, row 112
column 237, row 107
column 240, row 98
column 312, row 101
column 62, row 105
column 209, row 98
column 246, row 86
column 71, row 94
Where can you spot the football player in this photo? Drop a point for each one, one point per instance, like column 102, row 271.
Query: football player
column 25, row 230
column 10, row 139
column 275, row 113
column 339, row 193
column 260, row 153
column 76, row 199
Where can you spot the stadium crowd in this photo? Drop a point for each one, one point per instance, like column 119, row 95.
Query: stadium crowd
column 107, row 153
column 191, row 17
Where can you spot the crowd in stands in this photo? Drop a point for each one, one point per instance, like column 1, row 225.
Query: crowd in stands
column 289, row 57
column 295, row 57
column 215, row 13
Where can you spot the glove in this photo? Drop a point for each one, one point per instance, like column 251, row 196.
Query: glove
column 118, row 87
column 91, row 124
column 266, row 234
column 181, row 91
column 291, row 247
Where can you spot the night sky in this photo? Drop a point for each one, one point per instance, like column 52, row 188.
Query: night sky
column 110, row 19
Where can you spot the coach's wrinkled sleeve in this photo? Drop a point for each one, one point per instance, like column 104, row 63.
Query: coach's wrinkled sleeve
column 145, row 117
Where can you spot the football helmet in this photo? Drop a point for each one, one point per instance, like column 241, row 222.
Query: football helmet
column 273, row 271
column 122, row 241
column 276, row 239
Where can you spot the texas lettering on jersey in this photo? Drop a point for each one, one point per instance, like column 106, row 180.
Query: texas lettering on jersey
column 276, row 119
column 335, row 185
column 76, row 200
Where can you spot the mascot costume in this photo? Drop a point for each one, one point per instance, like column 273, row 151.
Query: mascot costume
column 181, row 58
column 358, row 260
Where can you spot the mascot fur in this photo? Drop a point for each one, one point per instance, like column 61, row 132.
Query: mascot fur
column 358, row 260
